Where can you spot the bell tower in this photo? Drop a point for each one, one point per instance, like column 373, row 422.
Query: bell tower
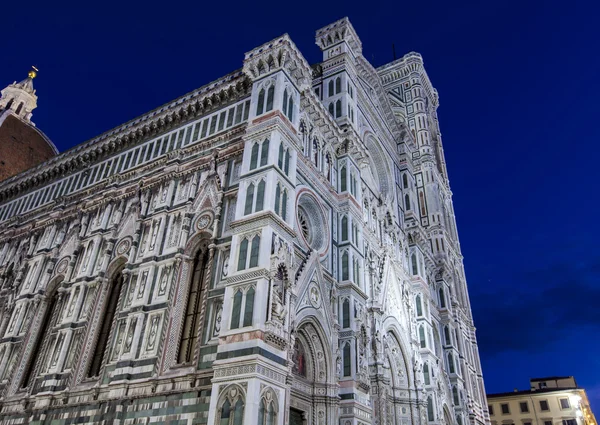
column 254, row 343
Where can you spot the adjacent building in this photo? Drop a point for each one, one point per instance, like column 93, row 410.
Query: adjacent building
column 276, row 247
column 549, row 401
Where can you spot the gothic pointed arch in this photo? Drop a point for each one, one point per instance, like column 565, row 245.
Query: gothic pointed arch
column 231, row 405
column 379, row 160
column 313, row 354
column 108, row 303
column 398, row 342
column 447, row 416
column 313, row 296
column 46, row 317
column 195, row 297
column 185, row 327
column 126, row 225
column 268, row 409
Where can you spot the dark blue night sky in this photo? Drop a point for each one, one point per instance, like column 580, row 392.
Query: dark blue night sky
column 519, row 87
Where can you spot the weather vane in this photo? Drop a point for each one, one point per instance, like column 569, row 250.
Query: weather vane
column 33, row 73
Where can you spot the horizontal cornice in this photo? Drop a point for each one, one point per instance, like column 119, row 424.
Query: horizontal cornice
column 208, row 98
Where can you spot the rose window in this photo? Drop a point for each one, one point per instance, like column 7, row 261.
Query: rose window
column 311, row 223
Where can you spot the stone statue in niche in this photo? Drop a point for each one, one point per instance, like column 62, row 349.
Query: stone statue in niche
column 377, row 345
column 165, row 191
column 278, row 311
column 333, row 297
column 61, row 235
column 118, row 213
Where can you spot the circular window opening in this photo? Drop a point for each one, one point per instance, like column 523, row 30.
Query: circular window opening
column 311, row 223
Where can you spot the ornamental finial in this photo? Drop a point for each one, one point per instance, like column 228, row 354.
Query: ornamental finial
column 33, row 73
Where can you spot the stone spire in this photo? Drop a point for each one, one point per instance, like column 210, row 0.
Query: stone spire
column 20, row 97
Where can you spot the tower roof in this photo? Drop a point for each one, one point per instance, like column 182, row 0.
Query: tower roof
column 20, row 98
column 26, row 84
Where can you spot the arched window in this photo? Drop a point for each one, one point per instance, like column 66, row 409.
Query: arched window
column 267, row 410
column 343, row 184
column 260, row 196
column 330, row 88
column 442, row 298
column 422, row 337
column 331, row 106
column 290, row 111
column 254, row 251
column 338, row 85
column 264, row 153
column 414, row 265
column 280, row 157
column 270, row 96
column 419, row 306
column 51, row 306
column 345, row 275
column 447, row 339
column 338, row 108
column 347, row 360
column 191, row 321
column 284, row 205
column 288, row 105
column 9, row 104
column 345, row 228
column 405, row 181
column 236, row 310
column 286, row 168
column 459, row 420
column 451, row 367
column 261, row 101
column 430, row 417
column 426, row 374
column 106, row 324
column 243, row 254
column 346, row 313
column 249, row 307
column 231, row 409
column 254, row 157
column 407, row 202
column 277, row 198
column 249, row 199
column 18, row 111
column 455, row 396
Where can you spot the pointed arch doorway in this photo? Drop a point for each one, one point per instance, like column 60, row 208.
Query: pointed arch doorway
column 312, row 377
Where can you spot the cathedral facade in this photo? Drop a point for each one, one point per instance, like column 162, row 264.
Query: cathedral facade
column 276, row 247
